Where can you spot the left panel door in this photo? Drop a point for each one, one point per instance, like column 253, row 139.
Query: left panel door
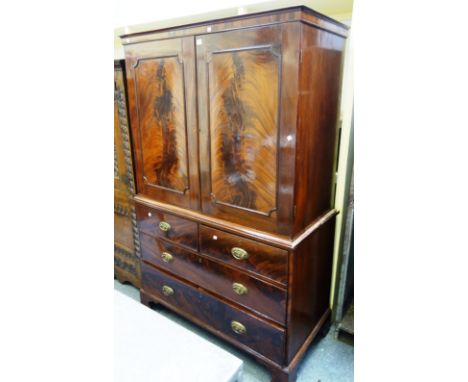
column 162, row 99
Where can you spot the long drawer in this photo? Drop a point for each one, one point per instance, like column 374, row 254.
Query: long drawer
column 161, row 224
column 236, row 324
column 265, row 299
column 265, row 260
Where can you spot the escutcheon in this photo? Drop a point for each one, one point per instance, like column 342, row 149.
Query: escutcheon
column 239, row 253
column 167, row 290
column 167, row 257
column 239, row 289
column 164, row 226
column 237, row 327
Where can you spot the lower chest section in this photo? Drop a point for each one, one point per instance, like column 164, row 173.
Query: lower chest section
column 230, row 284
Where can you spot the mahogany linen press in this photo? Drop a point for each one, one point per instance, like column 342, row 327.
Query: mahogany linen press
column 234, row 125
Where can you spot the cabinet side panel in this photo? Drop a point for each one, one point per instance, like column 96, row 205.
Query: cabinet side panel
column 320, row 85
column 310, row 279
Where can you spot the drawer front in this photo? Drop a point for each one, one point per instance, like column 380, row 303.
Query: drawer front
column 259, row 336
column 160, row 224
column 264, row 299
column 262, row 259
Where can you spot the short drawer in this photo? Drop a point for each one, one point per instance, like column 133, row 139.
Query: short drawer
column 262, row 259
column 265, row 299
column 241, row 326
column 174, row 228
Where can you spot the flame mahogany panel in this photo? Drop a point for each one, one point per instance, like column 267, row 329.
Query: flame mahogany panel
column 244, row 89
column 161, row 105
column 247, row 83
column 161, row 86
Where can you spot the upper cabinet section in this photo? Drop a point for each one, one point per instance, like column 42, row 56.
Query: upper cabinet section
column 161, row 76
column 236, row 118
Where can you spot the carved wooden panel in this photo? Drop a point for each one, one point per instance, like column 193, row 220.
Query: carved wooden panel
column 161, row 108
column 126, row 241
column 116, row 161
column 244, row 90
column 126, row 266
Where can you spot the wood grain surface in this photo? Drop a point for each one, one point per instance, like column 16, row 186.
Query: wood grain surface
column 244, row 87
column 263, row 338
column 247, row 93
column 309, row 285
column 161, row 86
column 320, row 87
column 263, row 298
column 263, row 260
column 183, row 232
column 160, row 93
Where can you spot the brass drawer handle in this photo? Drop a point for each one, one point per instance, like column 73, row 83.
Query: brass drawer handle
column 167, row 257
column 239, row 288
column 167, row 290
column 237, row 327
column 239, row 253
column 163, row 226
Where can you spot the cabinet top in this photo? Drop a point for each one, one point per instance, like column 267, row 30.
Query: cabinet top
column 229, row 19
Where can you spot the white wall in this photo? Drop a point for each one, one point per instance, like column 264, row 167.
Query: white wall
column 346, row 154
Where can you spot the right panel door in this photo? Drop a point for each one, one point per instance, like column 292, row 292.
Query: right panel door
column 246, row 97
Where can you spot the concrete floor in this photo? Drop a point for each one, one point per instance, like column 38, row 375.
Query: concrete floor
column 327, row 360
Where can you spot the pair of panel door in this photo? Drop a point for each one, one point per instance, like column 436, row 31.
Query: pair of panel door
column 214, row 118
